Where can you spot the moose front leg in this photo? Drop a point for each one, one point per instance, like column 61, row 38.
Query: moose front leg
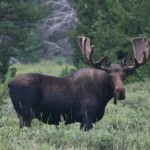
column 86, row 122
column 115, row 101
column 24, row 122
column 25, row 117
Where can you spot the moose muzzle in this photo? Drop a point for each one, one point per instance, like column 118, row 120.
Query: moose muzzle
column 119, row 93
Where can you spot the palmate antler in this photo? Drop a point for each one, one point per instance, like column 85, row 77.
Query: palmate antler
column 87, row 51
column 141, row 47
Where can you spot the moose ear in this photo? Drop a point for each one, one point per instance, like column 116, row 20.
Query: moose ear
column 126, row 61
column 106, row 62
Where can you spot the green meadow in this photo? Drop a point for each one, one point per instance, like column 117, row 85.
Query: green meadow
column 125, row 126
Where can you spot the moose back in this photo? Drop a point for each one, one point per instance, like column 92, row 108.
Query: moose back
column 79, row 97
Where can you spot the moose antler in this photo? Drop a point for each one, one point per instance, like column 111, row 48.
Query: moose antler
column 87, row 51
column 141, row 47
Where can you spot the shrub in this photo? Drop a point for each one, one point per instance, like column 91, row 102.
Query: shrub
column 3, row 86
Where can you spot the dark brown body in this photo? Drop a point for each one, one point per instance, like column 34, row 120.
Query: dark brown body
column 80, row 97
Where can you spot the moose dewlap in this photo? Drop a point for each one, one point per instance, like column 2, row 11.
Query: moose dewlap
column 79, row 97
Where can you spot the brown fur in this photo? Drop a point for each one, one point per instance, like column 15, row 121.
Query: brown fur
column 80, row 97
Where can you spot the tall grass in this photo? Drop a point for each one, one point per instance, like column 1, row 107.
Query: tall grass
column 124, row 127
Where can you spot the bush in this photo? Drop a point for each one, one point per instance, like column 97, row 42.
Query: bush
column 67, row 71
column 4, row 86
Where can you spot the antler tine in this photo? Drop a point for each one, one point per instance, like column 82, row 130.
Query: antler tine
column 86, row 48
column 81, row 44
column 87, row 51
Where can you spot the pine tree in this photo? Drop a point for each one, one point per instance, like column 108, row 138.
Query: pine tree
column 17, row 18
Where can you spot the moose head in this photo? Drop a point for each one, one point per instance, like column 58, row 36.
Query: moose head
column 117, row 72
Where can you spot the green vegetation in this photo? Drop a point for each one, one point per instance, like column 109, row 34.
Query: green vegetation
column 51, row 67
column 124, row 126
column 3, row 87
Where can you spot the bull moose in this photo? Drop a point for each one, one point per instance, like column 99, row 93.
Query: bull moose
column 79, row 97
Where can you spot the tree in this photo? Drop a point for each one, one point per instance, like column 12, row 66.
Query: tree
column 17, row 18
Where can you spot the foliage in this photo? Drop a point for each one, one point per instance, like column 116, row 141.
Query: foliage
column 49, row 67
column 110, row 26
column 67, row 70
column 3, row 86
column 17, row 39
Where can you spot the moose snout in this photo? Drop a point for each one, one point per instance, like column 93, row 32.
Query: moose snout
column 120, row 93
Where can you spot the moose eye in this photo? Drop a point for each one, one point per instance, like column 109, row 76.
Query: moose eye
column 124, row 76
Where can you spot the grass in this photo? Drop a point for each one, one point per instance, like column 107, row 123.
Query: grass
column 124, row 127
column 52, row 67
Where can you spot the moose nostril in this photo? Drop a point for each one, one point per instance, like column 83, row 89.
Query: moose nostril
column 120, row 93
